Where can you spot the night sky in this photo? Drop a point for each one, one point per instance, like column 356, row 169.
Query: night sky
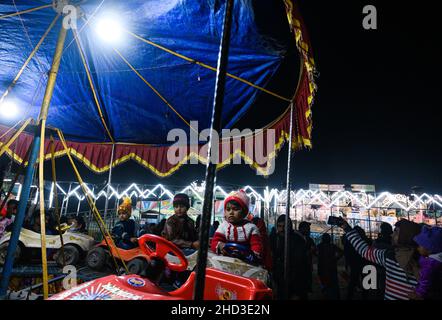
column 375, row 115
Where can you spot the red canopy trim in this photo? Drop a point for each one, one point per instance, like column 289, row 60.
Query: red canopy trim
column 97, row 156
column 307, row 87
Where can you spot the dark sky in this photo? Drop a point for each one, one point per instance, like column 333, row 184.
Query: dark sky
column 375, row 115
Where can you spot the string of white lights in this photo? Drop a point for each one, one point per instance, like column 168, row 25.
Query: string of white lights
column 269, row 197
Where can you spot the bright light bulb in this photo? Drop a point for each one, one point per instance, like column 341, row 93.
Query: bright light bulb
column 8, row 110
column 109, row 29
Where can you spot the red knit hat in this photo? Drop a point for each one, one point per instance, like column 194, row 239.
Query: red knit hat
column 241, row 197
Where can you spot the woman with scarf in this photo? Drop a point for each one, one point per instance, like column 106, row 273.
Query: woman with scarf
column 400, row 262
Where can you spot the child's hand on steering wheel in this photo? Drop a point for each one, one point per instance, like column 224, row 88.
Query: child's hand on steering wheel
column 195, row 245
column 134, row 240
column 221, row 248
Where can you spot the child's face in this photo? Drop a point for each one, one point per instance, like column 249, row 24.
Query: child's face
column 11, row 210
column 180, row 209
column 280, row 227
column 73, row 222
column 233, row 213
column 123, row 215
column 423, row 252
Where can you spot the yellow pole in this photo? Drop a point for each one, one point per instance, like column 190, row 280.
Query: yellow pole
column 44, row 261
column 42, row 120
column 25, row 11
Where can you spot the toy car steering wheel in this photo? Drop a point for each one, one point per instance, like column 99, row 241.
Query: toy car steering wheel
column 63, row 227
column 162, row 248
column 239, row 251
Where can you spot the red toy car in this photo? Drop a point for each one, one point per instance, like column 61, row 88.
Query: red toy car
column 219, row 285
column 136, row 259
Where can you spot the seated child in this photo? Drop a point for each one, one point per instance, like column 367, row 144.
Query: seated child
column 35, row 223
column 6, row 222
column 180, row 228
column 77, row 223
column 125, row 231
column 236, row 228
column 430, row 278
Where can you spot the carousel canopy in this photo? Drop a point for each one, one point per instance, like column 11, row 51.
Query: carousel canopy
column 132, row 71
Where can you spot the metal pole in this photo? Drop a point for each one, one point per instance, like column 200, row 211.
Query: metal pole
column 109, row 180
column 211, row 167
column 2, row 177
column 112, row 219
column 287, row 212
column 19, row 218
column 331, row 230
column 67, row 198
column 435, row 213
column 78, row 207
column 37, row 147
column 302, row 214
column 369, row 218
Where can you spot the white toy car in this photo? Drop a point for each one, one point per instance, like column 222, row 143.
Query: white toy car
column 76, row 246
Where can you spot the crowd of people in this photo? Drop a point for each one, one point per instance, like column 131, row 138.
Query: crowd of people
column 407, row 260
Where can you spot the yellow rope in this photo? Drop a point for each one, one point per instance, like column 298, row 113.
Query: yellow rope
column 208, row 67
column 154, row 90
column 57, row 212
column 44, row 259
column 14, row 137
column 92, row 205
column 25, row 11
column 17, row 77
column 201, row 64
column 91, row 84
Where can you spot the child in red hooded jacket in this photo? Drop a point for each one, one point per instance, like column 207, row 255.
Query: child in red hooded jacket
column 236, row 228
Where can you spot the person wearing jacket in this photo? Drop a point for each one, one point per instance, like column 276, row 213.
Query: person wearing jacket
column 125, row 231
column 400, row 262
column 430, row 263
column 180, row 228
column 236, row 228
column 6, row 221
column 383, row 241
column 328, row 256
column 298, row 282
column 356, row 264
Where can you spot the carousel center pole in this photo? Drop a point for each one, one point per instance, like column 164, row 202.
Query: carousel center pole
column 211, row 167
column 37, row 146
column 287, row 213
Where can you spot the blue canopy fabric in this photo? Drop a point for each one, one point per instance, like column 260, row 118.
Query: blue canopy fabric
column 133, row 112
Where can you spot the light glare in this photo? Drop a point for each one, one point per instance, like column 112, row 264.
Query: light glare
column 8, row 110
column 109, row 29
